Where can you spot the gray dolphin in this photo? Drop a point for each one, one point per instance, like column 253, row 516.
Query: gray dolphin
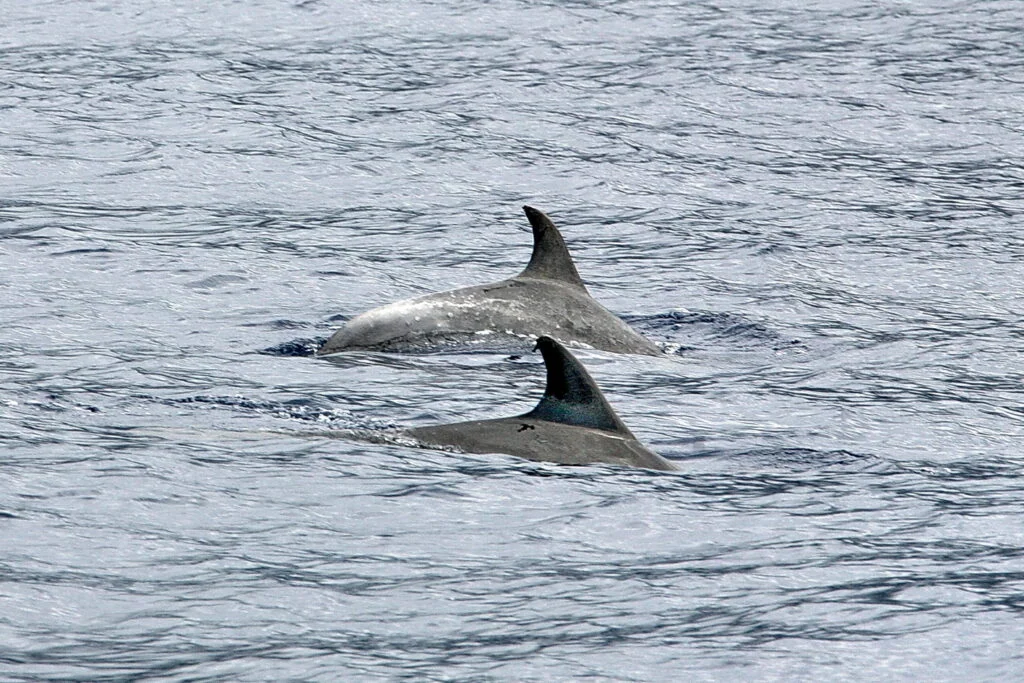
column 547, row 298
column 572, row 425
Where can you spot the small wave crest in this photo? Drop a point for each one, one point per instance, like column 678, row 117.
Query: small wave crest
column 678, row 329
column 296, row 348
column 302, row 409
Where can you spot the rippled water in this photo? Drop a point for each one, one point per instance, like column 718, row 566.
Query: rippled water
column 816, row 207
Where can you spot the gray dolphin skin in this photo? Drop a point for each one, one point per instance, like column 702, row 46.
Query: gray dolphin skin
column 547, row 298
column 572, row 425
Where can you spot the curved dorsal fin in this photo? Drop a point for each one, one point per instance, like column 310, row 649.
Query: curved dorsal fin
column 571, row 396
column 550, row 257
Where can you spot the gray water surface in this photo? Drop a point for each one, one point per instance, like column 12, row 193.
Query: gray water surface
column 815, row 208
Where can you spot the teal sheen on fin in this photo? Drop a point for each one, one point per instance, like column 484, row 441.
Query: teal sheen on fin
column 571, row 396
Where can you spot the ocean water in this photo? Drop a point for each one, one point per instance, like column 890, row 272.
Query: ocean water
column 816, row 208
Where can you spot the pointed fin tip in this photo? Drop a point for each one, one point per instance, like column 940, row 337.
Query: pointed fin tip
column 533, row 214
column 571, row 396
column 539, row 221
column 550, row 258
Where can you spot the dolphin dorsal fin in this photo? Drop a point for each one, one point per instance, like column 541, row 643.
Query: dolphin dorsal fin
column 550, row 259
column 571, row 396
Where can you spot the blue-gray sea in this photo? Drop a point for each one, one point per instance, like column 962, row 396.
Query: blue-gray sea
column 817, row 209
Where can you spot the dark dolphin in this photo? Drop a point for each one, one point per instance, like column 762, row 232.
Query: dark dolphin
column 547, row 298
column 572, row 425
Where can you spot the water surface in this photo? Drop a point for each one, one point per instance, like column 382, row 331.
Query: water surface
column 815, row 209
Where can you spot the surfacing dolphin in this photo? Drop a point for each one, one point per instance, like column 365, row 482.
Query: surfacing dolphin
column 547, row 298
column 572, row 425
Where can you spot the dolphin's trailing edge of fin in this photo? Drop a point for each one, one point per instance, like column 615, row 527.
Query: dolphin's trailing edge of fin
column 571, row 396
column 550, row 258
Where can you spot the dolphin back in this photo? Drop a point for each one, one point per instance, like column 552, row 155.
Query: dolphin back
column 547, row 298
column 543, row 441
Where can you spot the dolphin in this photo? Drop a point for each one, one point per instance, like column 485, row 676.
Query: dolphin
column 547, row 298
column 572, row 425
